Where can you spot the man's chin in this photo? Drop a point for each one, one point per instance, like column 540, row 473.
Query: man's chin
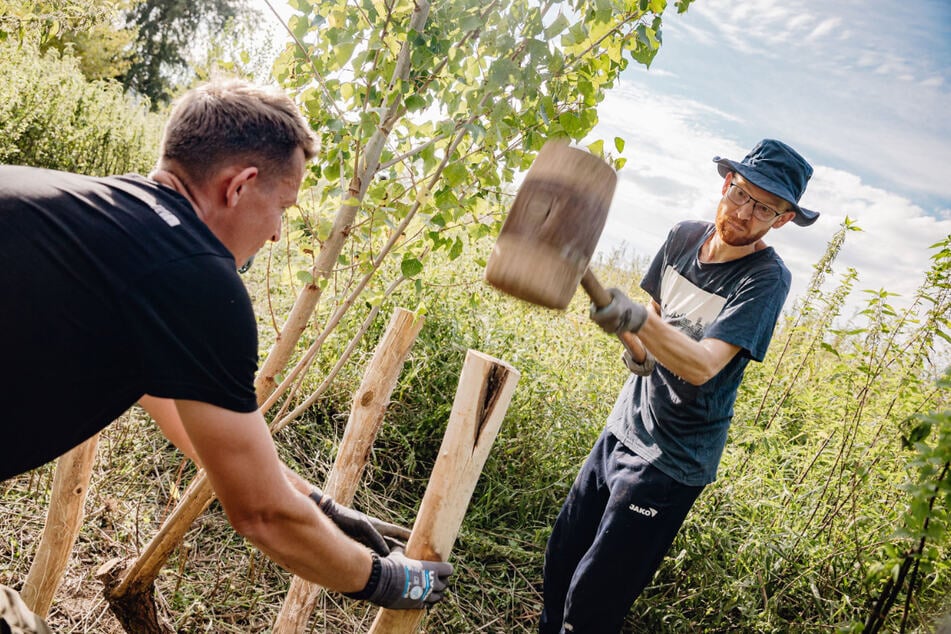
column 729, row 235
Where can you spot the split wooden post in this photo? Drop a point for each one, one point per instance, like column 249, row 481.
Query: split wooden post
column 366, row 417
column 482, row 398
column 64, row 518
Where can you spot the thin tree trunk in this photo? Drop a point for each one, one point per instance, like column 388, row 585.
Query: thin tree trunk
column 366, row 417
column 280, row 353
column 482, row 398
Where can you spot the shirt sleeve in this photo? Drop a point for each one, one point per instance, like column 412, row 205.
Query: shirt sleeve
column 750, row 314
column 650, row 283
column 193, row 324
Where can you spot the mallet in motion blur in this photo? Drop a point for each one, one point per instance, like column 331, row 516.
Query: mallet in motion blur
column 550, row 234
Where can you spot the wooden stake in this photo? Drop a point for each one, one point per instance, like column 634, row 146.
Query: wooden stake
column 366, row 417
column 64, row 518
column 482, row 398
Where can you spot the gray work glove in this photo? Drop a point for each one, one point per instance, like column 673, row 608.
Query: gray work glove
column 621, row 315
column 399, row 583
column 377, row 535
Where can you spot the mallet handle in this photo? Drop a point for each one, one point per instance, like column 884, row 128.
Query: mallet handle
column 601, row 298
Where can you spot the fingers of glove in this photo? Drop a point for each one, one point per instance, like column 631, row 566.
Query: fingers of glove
column 410, row 584
column 394, row 544
column 614, row 317
column 387, row 529
column 361, row 530
column 356, row 525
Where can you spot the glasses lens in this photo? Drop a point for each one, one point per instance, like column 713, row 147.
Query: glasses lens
column 737, row 195
column 762, row 212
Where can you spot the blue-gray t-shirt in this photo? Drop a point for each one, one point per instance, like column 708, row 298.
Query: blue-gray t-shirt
column 681, row 428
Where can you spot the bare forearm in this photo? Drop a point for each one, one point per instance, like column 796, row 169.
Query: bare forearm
column 266, row 505
column 308, row 544
column 693, row 361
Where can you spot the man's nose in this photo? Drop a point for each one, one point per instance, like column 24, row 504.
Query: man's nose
column 745, row 211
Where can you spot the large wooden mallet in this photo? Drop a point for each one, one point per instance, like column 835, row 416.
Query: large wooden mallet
column 550, row 234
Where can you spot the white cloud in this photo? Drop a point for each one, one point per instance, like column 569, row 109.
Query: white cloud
column 823, row 28
column 670, row 177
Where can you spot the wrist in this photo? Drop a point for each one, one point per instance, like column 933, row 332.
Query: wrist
column 640, row 368
column 376, row 571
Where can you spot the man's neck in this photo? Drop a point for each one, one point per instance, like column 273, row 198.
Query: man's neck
column 715, row 250
column 170, row 179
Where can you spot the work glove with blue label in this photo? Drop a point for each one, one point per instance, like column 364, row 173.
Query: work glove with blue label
column 621, row 315
column 379, row 536
column 399, row 583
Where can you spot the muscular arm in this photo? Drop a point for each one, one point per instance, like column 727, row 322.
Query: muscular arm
column 694, row 361
column 264, row 500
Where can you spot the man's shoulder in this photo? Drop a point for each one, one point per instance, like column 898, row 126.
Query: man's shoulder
column 687, row 231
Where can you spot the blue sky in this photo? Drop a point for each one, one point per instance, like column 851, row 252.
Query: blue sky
column 860, row 88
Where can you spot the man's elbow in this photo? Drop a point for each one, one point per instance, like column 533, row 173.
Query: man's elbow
column 255, row 525
column 700, row 375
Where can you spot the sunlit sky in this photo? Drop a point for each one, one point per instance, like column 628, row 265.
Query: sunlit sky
column 861, row 88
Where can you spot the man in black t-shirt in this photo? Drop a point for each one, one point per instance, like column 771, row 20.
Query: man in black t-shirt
column 125, row 289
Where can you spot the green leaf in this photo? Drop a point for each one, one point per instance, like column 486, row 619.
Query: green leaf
column 619, row 144
column 410, row 266
column 414, row 103
column 560, row 24
column 597, row 148
column 342, row 53
column 455, row 173
column 456, row 249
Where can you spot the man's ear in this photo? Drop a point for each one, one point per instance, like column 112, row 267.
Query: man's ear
column 783, row 219
column 726, row 182
column 235, row 186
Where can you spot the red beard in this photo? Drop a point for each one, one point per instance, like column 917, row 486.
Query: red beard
column 729, row 231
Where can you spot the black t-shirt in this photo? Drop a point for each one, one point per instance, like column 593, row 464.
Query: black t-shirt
column 110, row 288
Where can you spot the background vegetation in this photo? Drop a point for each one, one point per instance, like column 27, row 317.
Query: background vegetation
column 830, row 513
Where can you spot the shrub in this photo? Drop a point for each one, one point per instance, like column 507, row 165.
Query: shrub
column 52, row 117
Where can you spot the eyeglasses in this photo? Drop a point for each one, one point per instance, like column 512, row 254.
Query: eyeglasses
column 761, row 212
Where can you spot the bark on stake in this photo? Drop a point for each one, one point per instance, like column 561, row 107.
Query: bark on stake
column 484, row 392
column 366, row 416
column 64, row 518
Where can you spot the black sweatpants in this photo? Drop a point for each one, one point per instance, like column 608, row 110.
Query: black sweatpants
column 615, row 527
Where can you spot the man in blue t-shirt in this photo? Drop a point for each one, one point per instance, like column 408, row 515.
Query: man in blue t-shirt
column 717, row 291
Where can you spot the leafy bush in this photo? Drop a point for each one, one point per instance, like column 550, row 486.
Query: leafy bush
column 50, row 116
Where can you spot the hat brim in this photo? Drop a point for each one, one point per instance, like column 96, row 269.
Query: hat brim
column 804, row 217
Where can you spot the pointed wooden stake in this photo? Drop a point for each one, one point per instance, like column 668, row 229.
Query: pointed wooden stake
column 64, row 518
column 366, row 417
column 482, row 398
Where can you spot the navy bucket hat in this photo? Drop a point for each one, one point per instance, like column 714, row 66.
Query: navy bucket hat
column 774, row 166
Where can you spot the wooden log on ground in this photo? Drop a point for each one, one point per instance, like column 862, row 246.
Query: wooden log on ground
column 482, row 398
column 63, row 520
column 366, row 417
